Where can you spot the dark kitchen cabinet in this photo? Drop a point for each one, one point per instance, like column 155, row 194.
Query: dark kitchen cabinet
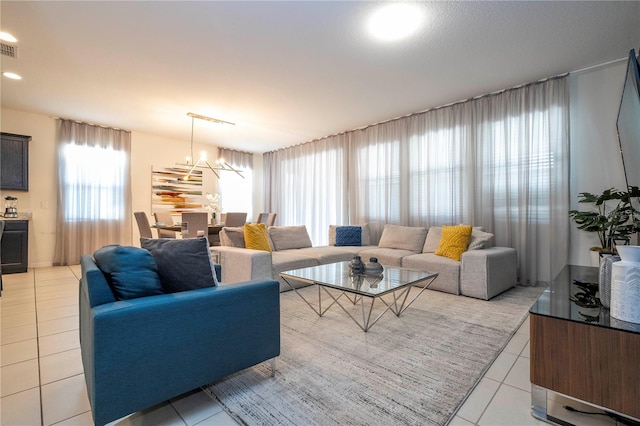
column 14, row 159
column 14, row 248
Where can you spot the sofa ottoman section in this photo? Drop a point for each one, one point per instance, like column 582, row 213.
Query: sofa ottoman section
column 488, row 272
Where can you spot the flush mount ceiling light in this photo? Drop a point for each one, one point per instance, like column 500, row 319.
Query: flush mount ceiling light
column 202, row 163
column 395, row 21
column 7, row 37
column 12, row 75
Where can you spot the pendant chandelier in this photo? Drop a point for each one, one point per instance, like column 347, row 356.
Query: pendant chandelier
column 219, row 165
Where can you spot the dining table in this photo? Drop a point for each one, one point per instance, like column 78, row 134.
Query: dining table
column 214, row 230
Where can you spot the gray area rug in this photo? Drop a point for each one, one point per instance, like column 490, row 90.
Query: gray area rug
column 414, row 369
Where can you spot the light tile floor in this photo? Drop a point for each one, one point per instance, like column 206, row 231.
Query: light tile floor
column 42, row 381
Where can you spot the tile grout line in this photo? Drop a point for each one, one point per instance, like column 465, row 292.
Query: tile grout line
column 35, row 303
column 41, row 407
column 502, row 383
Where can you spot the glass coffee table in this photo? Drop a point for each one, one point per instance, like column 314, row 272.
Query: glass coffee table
column 395, row 282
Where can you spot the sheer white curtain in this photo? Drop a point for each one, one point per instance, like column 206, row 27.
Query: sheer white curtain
column 522, row 180
column 307, row 185
column 94, row 190
column 236, row 190
column 499, row 161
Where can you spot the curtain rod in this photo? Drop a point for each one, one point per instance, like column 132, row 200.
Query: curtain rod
column 498, row 92
column 235, row 150
column 89, row 124
column 593, row 67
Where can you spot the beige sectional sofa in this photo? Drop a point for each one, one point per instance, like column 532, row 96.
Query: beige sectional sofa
column 483, row 272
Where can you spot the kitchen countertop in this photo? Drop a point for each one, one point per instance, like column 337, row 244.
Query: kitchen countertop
column 21, row 216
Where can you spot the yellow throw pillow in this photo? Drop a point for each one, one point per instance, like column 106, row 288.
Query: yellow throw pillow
column 255, row 236
column 454, row 241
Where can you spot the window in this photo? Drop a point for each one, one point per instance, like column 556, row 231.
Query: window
column 94, row 197
column 518, row 167
column 236, row 193
column 94, row 183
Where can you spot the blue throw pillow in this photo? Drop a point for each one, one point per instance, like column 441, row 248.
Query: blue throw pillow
column 130, row 271
column 348, row 236
column 183, row 264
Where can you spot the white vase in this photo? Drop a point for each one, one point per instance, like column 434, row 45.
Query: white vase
column 625, row 285
column 604, row 279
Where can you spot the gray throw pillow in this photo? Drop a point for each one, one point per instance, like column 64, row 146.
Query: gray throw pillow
column 480, row 240
column 432, row 242
column 289, row 237
column 183, row 264
column 233, row 236
column 403, row 237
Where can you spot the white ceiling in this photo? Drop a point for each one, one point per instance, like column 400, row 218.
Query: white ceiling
column 288, row 72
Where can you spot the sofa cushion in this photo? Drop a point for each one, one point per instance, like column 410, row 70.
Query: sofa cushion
column 325, row 254
column 385, row 256
column 289, row 237
column 348, row 236
column 448, row 270
column 454, row 241
column 232, row 236
column 130, row 271
column 183, row 264
column 287, row 261
column 365, row 237
column 255, row 236
column 480, row 240
column 403, row 237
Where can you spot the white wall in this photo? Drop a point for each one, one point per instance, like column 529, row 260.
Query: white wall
column 596, row 163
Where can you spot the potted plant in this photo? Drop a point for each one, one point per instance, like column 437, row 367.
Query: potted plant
column 613, row 218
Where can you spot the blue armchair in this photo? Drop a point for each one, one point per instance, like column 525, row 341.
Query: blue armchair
column 140, row 352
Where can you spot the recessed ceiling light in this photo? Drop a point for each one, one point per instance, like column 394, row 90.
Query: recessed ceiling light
column 395, row 21
column 12, row 75
column 7, row 37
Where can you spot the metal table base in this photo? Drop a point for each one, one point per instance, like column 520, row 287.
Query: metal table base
column 398, row 305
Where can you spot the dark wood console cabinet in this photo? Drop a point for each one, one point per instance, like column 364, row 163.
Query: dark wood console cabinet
column 15, row 246
column 593, row 359
column 14, row 158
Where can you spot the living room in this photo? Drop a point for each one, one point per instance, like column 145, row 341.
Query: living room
column 595, row 88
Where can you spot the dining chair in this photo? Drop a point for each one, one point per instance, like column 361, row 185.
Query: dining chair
column 143, row 224
column 262, row 218
column 235, row 219
column 272, row 219
column 197, row 221
column 167, row 219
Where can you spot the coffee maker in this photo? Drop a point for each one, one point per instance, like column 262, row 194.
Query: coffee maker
column 10, row 206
